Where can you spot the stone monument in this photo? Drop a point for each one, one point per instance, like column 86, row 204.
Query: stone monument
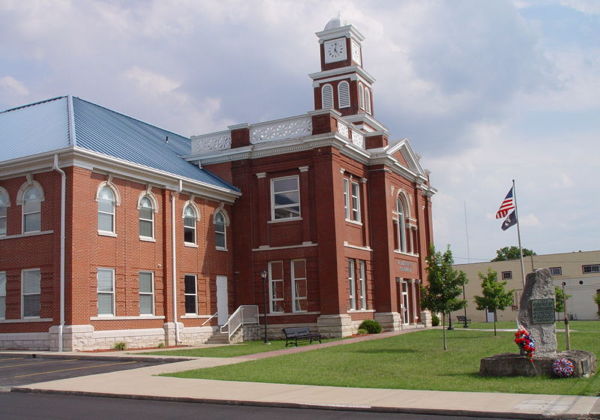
column 536, row 315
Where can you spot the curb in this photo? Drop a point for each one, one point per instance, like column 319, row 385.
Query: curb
column 332, row 407
column 156, row 359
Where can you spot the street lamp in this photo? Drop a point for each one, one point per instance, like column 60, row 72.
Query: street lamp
column 263, row 276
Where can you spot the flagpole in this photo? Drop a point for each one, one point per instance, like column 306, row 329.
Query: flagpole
column 519, row 233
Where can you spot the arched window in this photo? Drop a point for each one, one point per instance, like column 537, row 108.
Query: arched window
column 106, row 209
column 146, row 216
column 400, row 222
column 368, row 100
column 327, row 96
column 189, row 224
column 32, row 208
column 344, row 94
column 220, row 222
column 361, row 96
column 4, row 205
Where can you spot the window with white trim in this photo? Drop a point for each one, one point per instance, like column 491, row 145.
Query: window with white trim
column 106, row 209
column 351, row 284
column 30, row 293
column 368, row 100
column 276, row 295
column 362, row 284
column 355, row 201
column 2, row 294
column 220, row 230
column 4, row 205
column 106, row 291
column 32, row 209
column 346, row 198
column 299, row 286
column 191, row 294
column 146, row 217
column 285, row 198
column 327, row 96
column 361, row 96
column 189, row 224
column 400, row 225
column 344, row 94
column 146, row 290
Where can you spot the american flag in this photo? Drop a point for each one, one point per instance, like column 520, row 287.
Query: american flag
column 507, row 205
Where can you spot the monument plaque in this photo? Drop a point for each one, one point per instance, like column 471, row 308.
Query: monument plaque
column 542, row 311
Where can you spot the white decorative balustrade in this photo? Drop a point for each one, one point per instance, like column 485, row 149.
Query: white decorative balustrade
column 342, row 129
column 211, row 142
column 358, row 139
column 288, row 128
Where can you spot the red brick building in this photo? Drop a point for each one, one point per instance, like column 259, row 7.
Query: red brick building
column 115, row 230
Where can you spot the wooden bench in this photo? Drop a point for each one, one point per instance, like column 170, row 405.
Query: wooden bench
column 293, row 334
column 461, row 318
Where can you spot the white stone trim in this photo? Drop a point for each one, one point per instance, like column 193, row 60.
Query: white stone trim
column 26, row 235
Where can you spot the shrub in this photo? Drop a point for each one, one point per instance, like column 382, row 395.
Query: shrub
column 120, row 346
column 371, row 326
column 362, row 331
column 435, row 320
column 161, row 345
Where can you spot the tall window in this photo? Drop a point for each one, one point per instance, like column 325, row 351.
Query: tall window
column 361, row 96
column 276, row 286
column 189, row 224
column 362, row 284
column 146, row 217
column 344, row 94
column 191, row 301
column 30, row 291
column 368, row 100
column 220, row 230
column 32, row 209
column 400, row 222
column 299, row 286
column 346, row 198
column 351, row 284
column 2, row 294
column 106, row 291
column 106, row 210
column 327, row 96
column 146, row 288
column 285, row 198
column 4, row 204
column 355, row 202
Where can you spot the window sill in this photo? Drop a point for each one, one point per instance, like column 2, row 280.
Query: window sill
column 289, row 219
column 220, row 249
column 105, row 233
column 16, row 321
column 124, row 318
column 358, row 311
column 190, row 245
column 290, row 313
column 354, row 222
column 194, row 316
column 26, row 235
column 405, row 253
column 147, row 239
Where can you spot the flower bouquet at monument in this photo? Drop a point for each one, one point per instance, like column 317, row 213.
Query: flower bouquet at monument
column 525, row 342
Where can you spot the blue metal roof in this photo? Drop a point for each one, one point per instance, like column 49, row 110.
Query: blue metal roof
column 43, row 127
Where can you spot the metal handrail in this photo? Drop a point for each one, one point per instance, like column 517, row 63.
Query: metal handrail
column 210, row 317
column 243, row 315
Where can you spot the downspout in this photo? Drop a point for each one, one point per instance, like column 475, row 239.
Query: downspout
column 174, row 262
column 63, row 196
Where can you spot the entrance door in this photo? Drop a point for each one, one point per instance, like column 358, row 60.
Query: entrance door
column 222, row 300
column 405, row 303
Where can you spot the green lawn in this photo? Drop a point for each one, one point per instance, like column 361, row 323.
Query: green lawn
column 573, row 325
column 410, row 361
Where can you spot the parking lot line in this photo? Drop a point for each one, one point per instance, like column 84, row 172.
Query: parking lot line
column 35, row 363
column 76, row 368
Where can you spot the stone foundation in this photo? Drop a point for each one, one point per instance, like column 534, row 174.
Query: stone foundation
column 510, row 364
column 426, row 319
column 389, row 321
column 333, row 326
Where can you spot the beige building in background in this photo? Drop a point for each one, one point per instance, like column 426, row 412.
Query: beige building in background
column 580, row 271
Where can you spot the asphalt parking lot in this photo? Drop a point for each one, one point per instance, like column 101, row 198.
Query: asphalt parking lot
column 21, row 369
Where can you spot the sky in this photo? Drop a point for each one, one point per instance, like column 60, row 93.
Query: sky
column 485, row 91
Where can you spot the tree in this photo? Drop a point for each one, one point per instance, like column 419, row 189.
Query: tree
column 559, row 299
column 444, row 286
column 597, row 300
column 494, row 295
column 511, row 253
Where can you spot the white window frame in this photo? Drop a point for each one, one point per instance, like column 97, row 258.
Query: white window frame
column 224, row 232
column 186, row 294
column 346, row 198
column 343, row 94
column 368, row 100
column 283, row 206
column 361, row 96
column 272, row 281
column 355, row 212
column 351, row 267
column 195, row 227
column 30, row 270
column 401, row 224
column 112, row 214
column 153, row 210
column 37, row 186
column 295, row 298
column 556, row 271
column 151, row 293
column 4, row 205
column 3, row 293
column 329, row 95
column 111, row 293
column 362, row 284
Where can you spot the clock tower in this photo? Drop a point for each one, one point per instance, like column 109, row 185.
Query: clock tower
column 343, row 84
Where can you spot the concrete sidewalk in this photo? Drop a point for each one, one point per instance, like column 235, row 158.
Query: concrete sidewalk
column 145, row 384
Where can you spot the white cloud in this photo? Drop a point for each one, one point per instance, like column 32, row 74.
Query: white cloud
column 12, row 87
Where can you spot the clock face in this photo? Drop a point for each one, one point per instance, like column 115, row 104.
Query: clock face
column 335, row 50
column 356, row 52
